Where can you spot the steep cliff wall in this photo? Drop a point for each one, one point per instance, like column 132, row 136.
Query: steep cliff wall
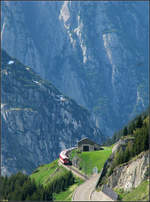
column 94, row 52
column 131, row 174
column 37, row 120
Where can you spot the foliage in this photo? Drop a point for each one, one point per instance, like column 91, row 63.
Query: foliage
column 20, row 187
column 129, row 128
column 60, row 182
column 139, row 122
column 67, row 194
column 41, row 185
column 125, row 131
column 55, row 178
column 137, row 145
column 140, row 193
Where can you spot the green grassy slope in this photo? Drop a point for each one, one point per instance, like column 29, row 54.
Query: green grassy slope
column 44, row 173
column 67, row 194
column 88, row 160
column 140, row 193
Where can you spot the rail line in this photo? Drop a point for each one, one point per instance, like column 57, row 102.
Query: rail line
column 74, row 170
column 87, row 190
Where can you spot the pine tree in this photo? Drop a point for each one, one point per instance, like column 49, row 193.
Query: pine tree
column 139, row 122
column 125, row 131
column 126, row 155
column 131, row 128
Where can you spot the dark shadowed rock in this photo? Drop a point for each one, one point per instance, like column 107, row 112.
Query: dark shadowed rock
column 94, row 52
column 37, row 120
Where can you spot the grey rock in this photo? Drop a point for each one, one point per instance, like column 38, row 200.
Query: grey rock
column 131, row 174
column 37, row 120
column 94, row 52
column 99, row 57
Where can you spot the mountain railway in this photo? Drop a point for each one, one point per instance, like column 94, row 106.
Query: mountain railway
column 64, row 158
column 87, row 190
column 74, row 171
column 66, row 163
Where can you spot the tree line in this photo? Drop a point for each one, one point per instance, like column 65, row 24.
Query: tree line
column 138, row 144
column 20, row 187
column 61, row 181
column 128, row 129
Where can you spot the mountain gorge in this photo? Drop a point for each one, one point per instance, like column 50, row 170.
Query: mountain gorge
column 94, row 52
column 37, row 120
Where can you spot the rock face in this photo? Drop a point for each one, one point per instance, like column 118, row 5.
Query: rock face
column 37, row 120
column 121, row 144
column 94, row 52
column 131, row 174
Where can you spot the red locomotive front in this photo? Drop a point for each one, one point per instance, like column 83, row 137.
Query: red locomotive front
column 64, row 158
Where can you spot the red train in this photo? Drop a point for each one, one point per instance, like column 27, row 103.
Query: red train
column 63, row 157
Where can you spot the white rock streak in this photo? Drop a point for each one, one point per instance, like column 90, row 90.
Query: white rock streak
column 2, row 105
column 65, row 16
column 107, row 44
column 5, row 72
column 36, row 82
column 139, row 99
column 64, row 12
column 10, row 62
column 78, row 32
column 2, row 31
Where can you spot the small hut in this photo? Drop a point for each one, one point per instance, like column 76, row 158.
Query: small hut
column 88, row 145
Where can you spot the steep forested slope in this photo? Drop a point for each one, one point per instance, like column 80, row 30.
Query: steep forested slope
column 128, row 166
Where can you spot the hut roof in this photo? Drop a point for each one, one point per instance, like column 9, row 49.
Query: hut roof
column 87, row 141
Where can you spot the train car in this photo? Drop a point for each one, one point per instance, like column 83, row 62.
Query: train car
column 64, row 158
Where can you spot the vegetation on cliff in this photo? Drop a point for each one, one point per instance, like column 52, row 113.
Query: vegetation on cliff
column 129, row 128
column 131, row 147
column 140, row 193
column 139, row 142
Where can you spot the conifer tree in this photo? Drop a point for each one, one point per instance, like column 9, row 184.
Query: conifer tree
column 125, row 131
column 139, row 122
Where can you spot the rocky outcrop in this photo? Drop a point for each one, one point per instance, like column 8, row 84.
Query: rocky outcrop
column 99, row 57
column 126, row 175
column 37, row 120
column 131, row 174
column 122, row 143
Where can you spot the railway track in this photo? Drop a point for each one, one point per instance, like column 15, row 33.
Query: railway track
column 79, row 173
column 86, row 191
column 74, row 171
